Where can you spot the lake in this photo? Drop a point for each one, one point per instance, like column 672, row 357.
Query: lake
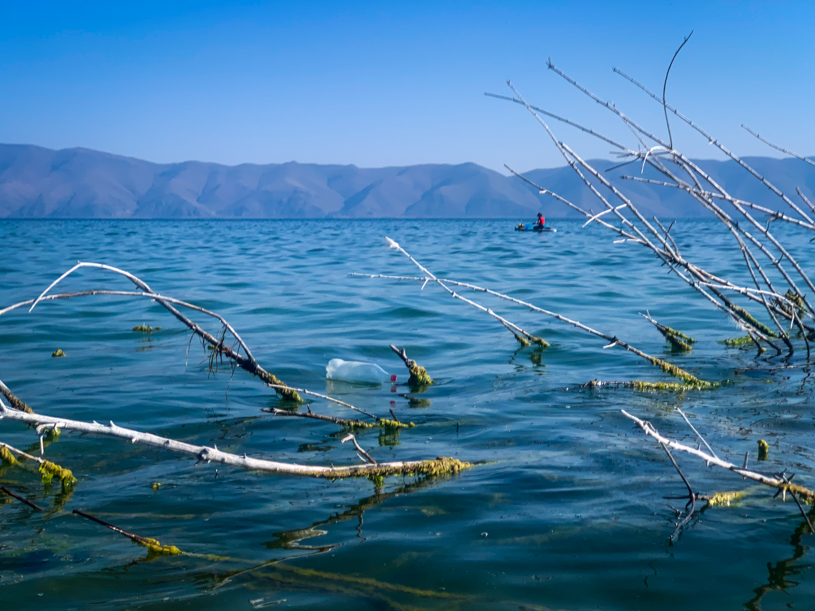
column 564, row 509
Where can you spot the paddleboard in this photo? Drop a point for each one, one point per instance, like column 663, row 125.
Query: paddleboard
column 534, row 227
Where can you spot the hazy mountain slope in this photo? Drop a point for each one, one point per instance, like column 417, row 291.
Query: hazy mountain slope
column 80, row 183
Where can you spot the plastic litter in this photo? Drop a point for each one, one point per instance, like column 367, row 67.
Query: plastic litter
column 355, row 371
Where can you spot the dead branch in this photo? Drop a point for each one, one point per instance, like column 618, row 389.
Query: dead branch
column 687, row 379
column 246, row 361
column 151, row 544
column 418, row 374
column 345, row 423
column 439, row 466
column 22, row 499
column 218, row 347
column 781, row 482
column 522, row 336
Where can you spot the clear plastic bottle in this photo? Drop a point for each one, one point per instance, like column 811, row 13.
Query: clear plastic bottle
column 354, row 371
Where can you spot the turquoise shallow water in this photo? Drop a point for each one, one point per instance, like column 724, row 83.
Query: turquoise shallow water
column 566, row 513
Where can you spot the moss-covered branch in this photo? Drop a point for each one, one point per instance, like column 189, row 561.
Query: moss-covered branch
column 436, row 466
column 154, row 547
column 418, row 374
column 48, row 470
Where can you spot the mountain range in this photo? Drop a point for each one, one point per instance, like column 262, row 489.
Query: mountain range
column 37, row 182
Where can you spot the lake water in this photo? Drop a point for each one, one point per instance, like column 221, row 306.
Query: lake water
column 566, row 511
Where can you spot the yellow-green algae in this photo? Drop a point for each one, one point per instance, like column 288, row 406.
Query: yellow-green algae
column 418, row 375
column 803, row 494
column 49, row 471
column 677, row 339
column 145, row 329
column 763, row 450
column 427, row 468
column 746, row 316
column 668, row 331
column 737, row 342
column 286, row 393
column 383, row 423
column 378, row 480
column 678, row 344
column 155, row 548
column 57, row 353
column 724, row 498
column 688, row 380
column 531, row 339
column 660, row 386
column 794, row 298
column 7, row 458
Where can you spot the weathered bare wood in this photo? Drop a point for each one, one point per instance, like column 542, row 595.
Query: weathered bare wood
column 520, row 334
column 781, row 483
column 437, row 466
column 245, row 361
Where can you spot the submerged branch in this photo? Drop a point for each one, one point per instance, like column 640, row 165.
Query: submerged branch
column 688, row 380
column 439, row 466
column 522, row 336
column 780, row 481
column 418, row 374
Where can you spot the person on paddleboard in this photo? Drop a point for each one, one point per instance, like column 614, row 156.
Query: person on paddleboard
column 541, row 221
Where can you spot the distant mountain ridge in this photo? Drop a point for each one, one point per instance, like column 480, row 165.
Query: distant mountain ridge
column 36, row 182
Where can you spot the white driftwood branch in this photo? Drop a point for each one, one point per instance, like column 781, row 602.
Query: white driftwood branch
column 249, row 363
column 774, row 482
column 614, row 340
column 213, row 454
column 509, row 325
column 142, row 285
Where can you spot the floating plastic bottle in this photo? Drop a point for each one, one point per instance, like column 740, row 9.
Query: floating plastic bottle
column 354, row 371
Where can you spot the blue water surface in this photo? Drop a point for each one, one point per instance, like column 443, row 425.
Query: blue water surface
column 565, row 509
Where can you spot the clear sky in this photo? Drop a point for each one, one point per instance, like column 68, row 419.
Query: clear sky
column 390, row 83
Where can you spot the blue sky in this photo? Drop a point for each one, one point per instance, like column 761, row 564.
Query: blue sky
column 390, row 83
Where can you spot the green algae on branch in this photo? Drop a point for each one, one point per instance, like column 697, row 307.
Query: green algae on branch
column 652, row 386
column 737, row 342
column 346, row 423
column 763, row 450
column 688, row 380
column 529, row 340
column 794, row 298
column 154, row 547
column 418, row 374
column 677, row 339
column 57, row 353
column 678, row 344
column 7, row 458
column 747, row 317
column 49, row 471
column 661, row 386
column 721, row 499
column 145, row 329
column 284, row 392
column 386, row 423
column 679, row 334
column 426, row 468
column 383, row 423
